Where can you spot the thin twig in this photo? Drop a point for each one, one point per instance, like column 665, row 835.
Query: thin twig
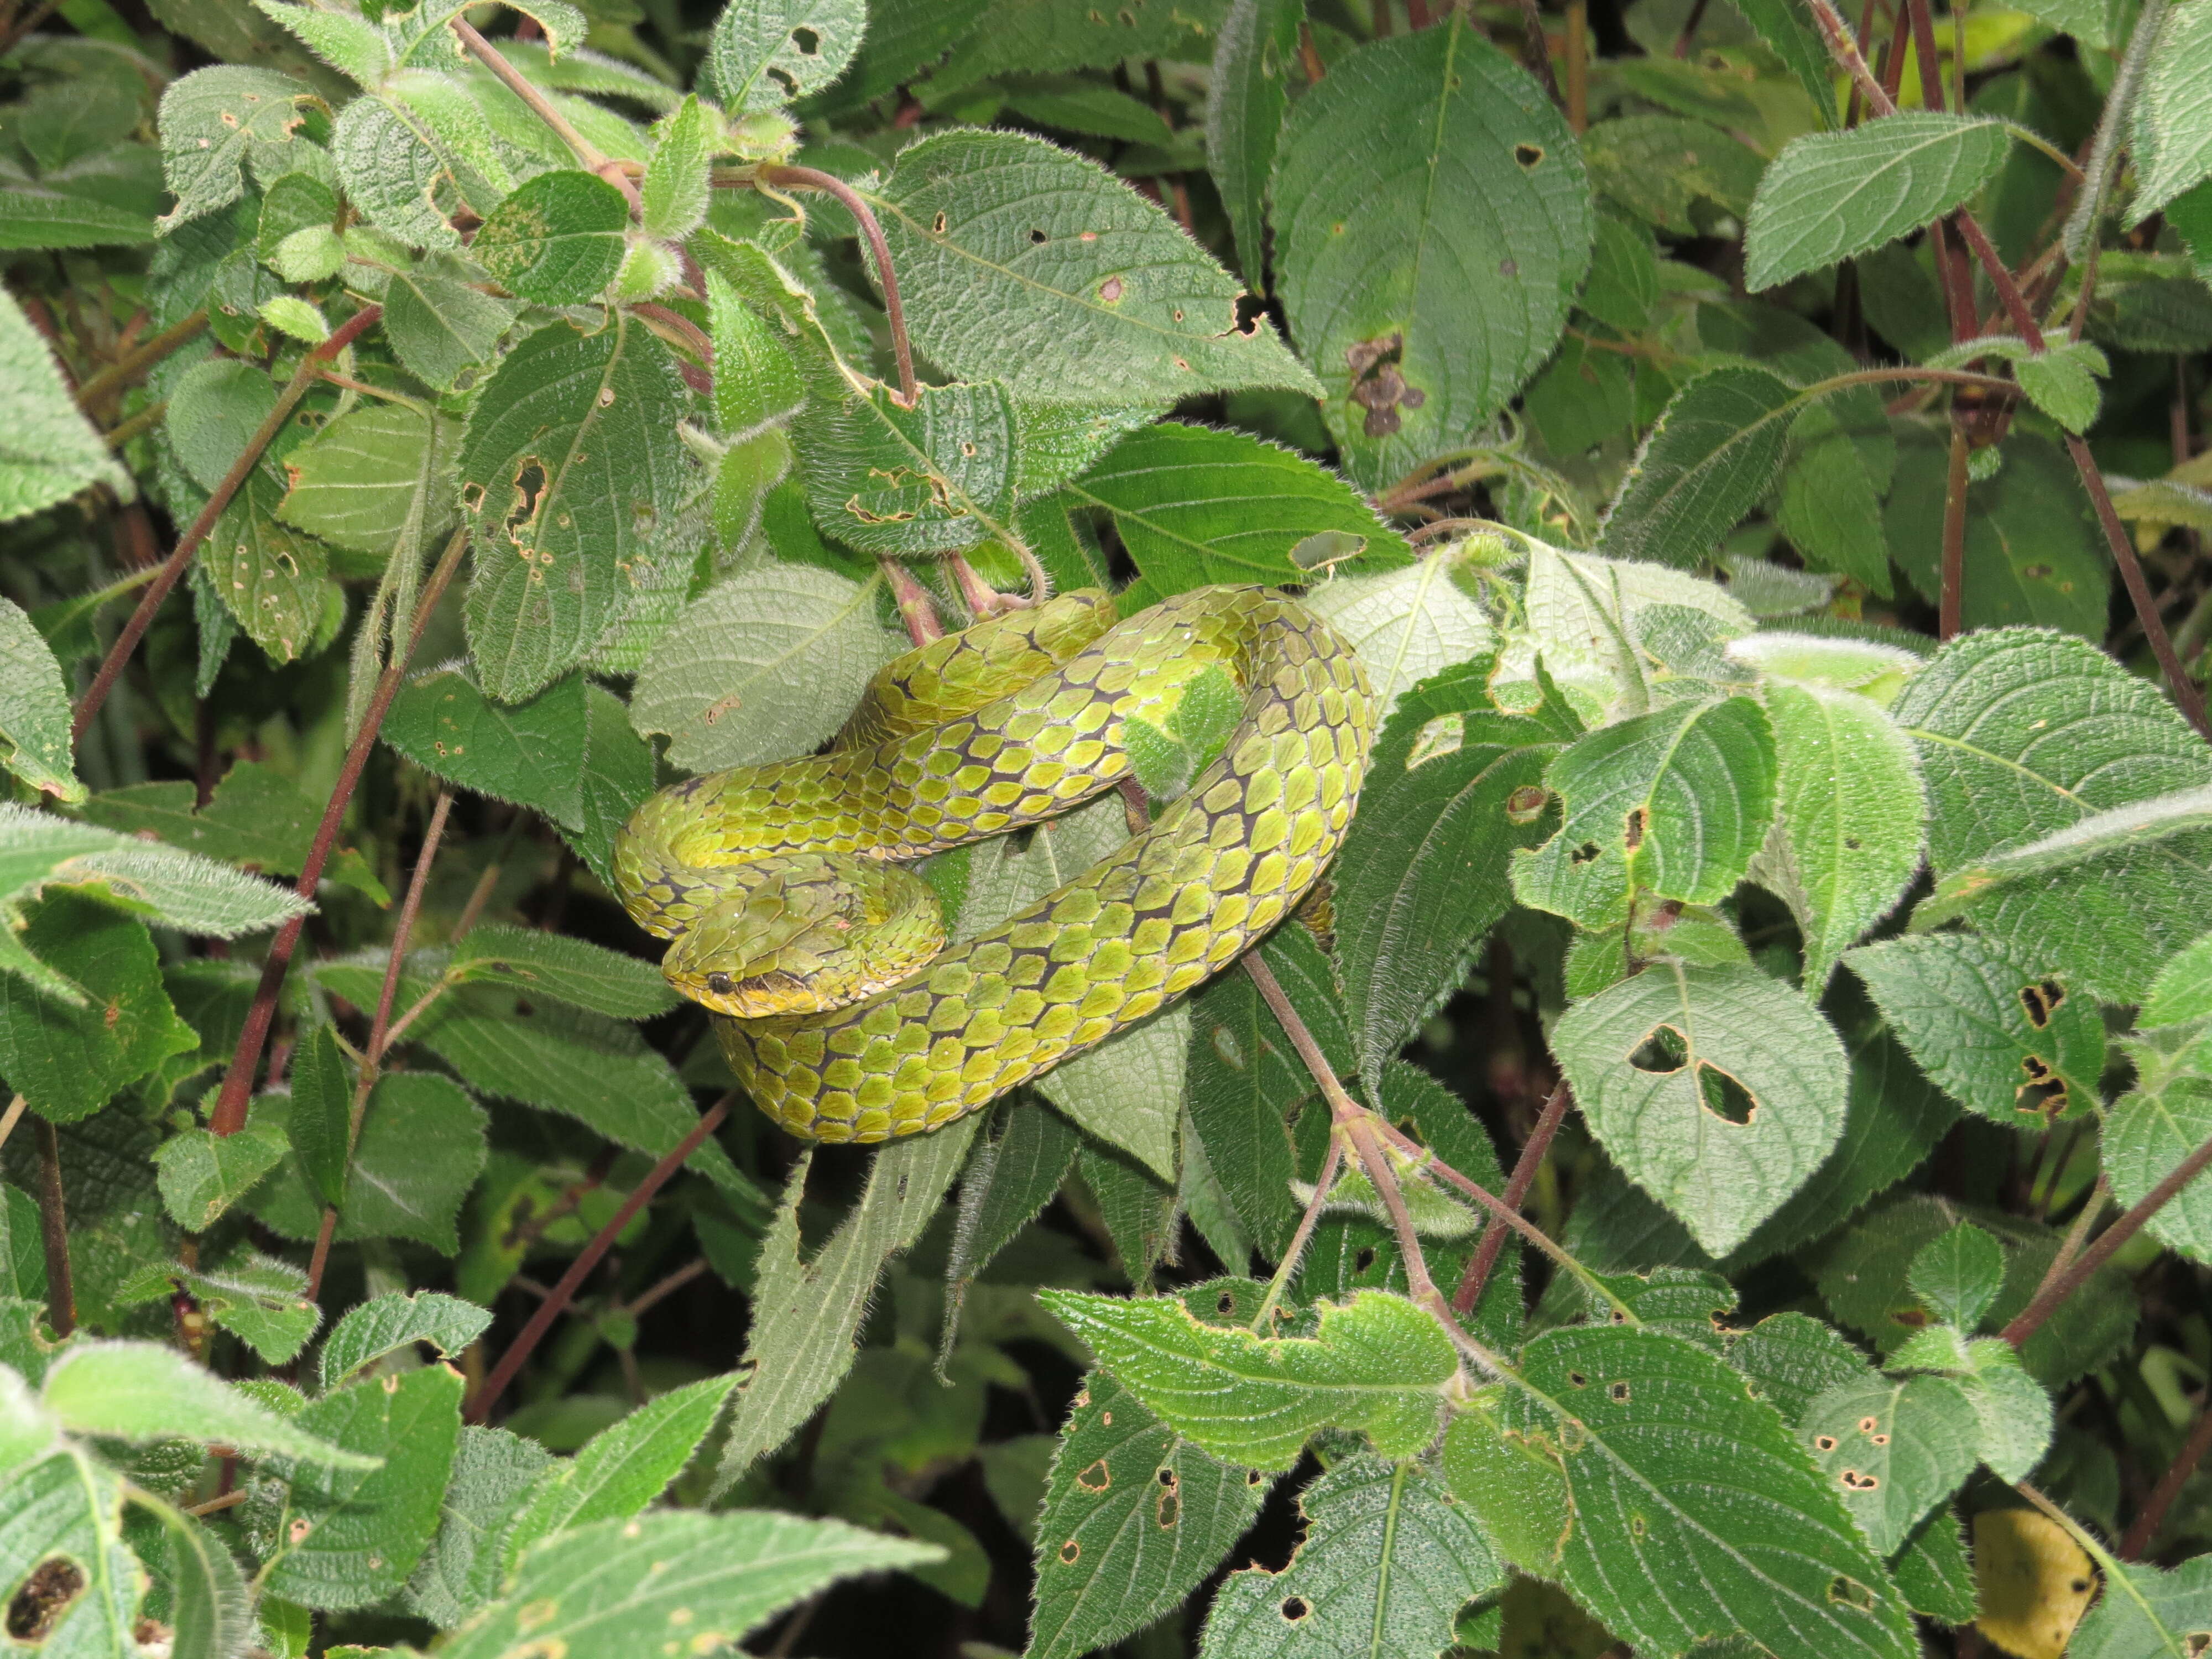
column 2047, row 1299
column 134, row 362
column 519, row 1351
column 214, row 1505
column 1492, row 1242
column 229, row 1114
column 379, row 1031
column 145, row 421
column 53, row 1231
column 589, row 154
column 2144, row 1528
column 872, row 232
column 663, row 1288
column 1952, row 590
column 1536, row 51
column 15, row 1115
column 309, row 371
column 1295, row 1250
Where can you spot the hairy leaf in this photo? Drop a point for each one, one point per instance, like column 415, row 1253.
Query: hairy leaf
column 1704, row 463
column 1895, row 1448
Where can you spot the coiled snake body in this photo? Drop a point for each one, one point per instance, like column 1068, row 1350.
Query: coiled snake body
column 783, row 889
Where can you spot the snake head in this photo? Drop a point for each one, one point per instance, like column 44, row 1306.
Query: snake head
column 808, row 932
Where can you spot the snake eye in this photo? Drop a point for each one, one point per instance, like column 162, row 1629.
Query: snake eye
column 720, row 984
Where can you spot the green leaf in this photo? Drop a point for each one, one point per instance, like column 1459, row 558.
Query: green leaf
column 34, row 218
column 34, row 710
column 764, row 667
column 1389, row 1559
column 1014, row 1174
column 1375, row 1363
column 212, row 121
column 193, row 894
column 1166, row 759
column 2022, row 732
column 1831, row 195
column 1831, row 505
column 379, row 480
column 1038, row 36
column 258, row 818
column 557, row 239
column 568, row 969
column 1194, row 505
column 2115, row 830
column 1246, row 97
column 69, row 1057
column 674, row 191
column 1706, row 462
column 2183, row 990
column 623, row 1469
column 318, row 1124
column 2146, row 1610
column 1676, row 1537
column 1792, row 38
column 572, row 457
column 1999, row 1038
column 258, row 1299
column 421, row 1150
column 272, row 579
column 395, row 170
column 931, row 479
column 204, row 1173
column 2145, row 1137
column 68, row 1506
column 463, row 1566
column 439, row 326
column 758, row 385
column 1675, row 803
column 1850, row 817
column 1895, row 1448
column 2061, row 382
column 1405, row 624
column 52, row 451
column 807, row 1313
column 210, row 1612
column 523, row 751
column 2010, row 1407
column 351, row 43
column 1581, row 615
column 1666, row 1117
column 1476, row 223
column 386, row 1324
column 1453, row 788
column 1792, row 1358
column 143, row 1392
column 345, row 1538
column 1934, row 1573
column 289, row 315
column 616, row 1589
column 767, row 53
column 1134, row 1517
column 2172, row 137
column 618, row 775
column 1959, row 1275
column 1113, row 303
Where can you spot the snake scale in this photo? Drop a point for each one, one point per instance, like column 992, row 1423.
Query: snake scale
column 786, row 892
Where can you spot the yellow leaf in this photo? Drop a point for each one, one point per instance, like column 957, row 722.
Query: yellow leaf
column 2033, row 1581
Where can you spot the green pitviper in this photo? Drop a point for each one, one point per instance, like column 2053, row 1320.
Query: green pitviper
column 784, row 889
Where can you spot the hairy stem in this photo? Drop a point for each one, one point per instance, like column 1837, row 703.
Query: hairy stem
column 53, row 1231
column 879, row 250
column 1294, row 1252
column 136, row 361
column 2050, row 1296
column 915, row 608
column 309, row 371
column 542, row 106
column 1492, row 1242
column 229, row 1114
column 519, row 1351
column 2144, row 1528
column 1953, row 586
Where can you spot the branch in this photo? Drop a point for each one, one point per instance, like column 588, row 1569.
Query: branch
column 2145, row 1525
column 141, row 357
column 551, row 1308
column 2047, row 1299
column 542, row 106
column 1952, row 588
column 229, row 1114
column 879, row 249
column 1492, row 1242
column 309, row 371
column 1295, row 1250
column 53, row 1231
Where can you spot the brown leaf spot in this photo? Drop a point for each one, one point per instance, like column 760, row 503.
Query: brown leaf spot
column 1105, row 1477
column 35, row 1609
column 1110, row 289
column 1069, row 1552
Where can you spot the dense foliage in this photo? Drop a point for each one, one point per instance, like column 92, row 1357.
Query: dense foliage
column 1719, row 1173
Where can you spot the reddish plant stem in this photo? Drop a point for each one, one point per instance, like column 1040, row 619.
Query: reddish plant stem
column 2047, row 1299
column 2144, row 1528
column 53, row 1231
column 135, row 361
column 879, row 250
column 373, row 1056
column 1517, row 1184
column 229, row 1114
column 1536, row 51
column 519, row 1351
column 1952, row 589
column 542, row 107
column 1310, row 55
column 915, row 608
column 309, row 371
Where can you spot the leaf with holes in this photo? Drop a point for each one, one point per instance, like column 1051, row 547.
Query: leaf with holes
column 1134, row 1515
column 1475, row 231
column 1375, row 1363
column 2147, row 1611
column 571, row 459
column 1895, row 1448
column 61, row 1514
column 212, row 122
column 931, row 479
column 1849, row 820
column 1674, row 804
column 1389, row 1559
column 1718, row 1090
column 557, row 239
column 521, row 751
column 274, row 580
column 2022, row 732
column 1997, row 1037
column 386, row 1324
column 764, row 54
column 1704, row 465
column 1020, row 261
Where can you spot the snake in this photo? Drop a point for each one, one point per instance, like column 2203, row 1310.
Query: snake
column 796, row 916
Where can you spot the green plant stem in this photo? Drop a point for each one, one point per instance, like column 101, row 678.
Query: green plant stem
column 1492, row 1241
column 1295, row 1250
column 229, row 1114
column 123, row 431
column 305, row 376
column 2144, row 1528
column 2051, row 1294
column 379, row 1031
column 53, row 1231
column 136, row 361
column 1952, row 590
column 563, row 1293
